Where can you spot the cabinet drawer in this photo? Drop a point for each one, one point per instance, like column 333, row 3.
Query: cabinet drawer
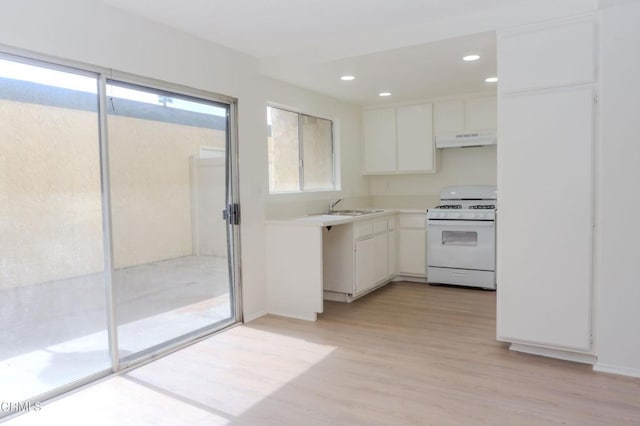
column 416, row 220
column 364, row 230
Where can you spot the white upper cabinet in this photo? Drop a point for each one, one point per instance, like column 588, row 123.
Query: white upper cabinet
column 398, row 140
column 465, row 115
column 415, row 138
column 555, row 56
column 401, row 140
column 379, row 132
column 448, row 117
column 481, row 113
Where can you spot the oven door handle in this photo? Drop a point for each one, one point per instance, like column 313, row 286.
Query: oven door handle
column 461, row 223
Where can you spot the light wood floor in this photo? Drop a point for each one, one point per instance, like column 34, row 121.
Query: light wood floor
column 408, row 354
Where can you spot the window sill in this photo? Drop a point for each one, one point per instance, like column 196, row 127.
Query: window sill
column 305, row 194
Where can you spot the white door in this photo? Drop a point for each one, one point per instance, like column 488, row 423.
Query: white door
column 411, row 252
column 415, row 138
column 380, row 257
column 393, row 248
column 545, row 218
column 365, row 273
column 379, row 140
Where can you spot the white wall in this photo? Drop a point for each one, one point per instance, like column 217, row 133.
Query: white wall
column 94, row 33
column 457, row 166
column 618, row 229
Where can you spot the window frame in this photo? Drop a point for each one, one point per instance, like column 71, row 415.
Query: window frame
column 334, row 181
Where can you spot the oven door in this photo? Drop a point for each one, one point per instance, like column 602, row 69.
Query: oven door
column 464, row 244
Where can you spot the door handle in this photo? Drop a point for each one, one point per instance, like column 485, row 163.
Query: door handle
column 232, row 214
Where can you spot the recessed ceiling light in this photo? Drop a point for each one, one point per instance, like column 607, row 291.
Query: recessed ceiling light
column 384, row 94
column 491, row 79
column 470, row 58
column 347, row 78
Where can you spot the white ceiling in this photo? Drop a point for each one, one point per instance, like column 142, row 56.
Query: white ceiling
column 412, row 48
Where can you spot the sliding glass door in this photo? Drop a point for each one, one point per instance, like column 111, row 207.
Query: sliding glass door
column 113, row 244
column 168, row 170
column 53, row 328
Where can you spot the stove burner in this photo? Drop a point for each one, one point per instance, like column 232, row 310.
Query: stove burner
column 449, row 206
column 479, row 206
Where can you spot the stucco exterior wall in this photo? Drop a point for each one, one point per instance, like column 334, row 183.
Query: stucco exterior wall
column 50, row 199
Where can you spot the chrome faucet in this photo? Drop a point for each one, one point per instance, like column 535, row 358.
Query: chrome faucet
column 334, row 203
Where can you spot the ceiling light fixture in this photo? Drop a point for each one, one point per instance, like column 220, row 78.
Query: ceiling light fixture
column 470, row 58
column 491, row 79
column 347, row 78
column 384, row 94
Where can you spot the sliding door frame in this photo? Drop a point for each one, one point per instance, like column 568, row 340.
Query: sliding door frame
column 232, row 196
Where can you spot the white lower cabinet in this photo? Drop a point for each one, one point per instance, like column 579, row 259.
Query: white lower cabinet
column 358, row 257
column 412, row 244
column 392, row 240
column 364, row 271
column 380, row 259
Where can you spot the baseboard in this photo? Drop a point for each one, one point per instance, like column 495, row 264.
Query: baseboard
column 310, row 317
column 334, row 296
column 253, row 316
column 615, row 369
column 409, row 278
column 554, row 353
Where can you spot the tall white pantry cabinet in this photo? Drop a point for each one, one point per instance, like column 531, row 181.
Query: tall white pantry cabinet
column 546, row 110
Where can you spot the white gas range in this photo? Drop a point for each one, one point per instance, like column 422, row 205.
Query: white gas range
column 461, row 237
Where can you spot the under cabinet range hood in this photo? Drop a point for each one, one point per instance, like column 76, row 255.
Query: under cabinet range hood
column 466, row 140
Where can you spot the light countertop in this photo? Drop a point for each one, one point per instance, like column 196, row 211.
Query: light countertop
column 322, row 220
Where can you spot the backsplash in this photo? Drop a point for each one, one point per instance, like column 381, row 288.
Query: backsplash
column 405, row 201
column 278, row 209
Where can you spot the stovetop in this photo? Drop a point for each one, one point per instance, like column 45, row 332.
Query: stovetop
column 481, row 212
column 449, row 206
column 472, row 207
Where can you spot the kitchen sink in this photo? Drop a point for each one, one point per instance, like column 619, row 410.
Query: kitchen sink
column 348, row 212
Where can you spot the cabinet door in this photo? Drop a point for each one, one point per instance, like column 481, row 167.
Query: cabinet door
column 379, row 140
column 550, row 56
column 415, row 138
column 544, row 254
column 365, row 274
column 448, row 117
column 393, row 249
column 411, row 248
column 381, row 257
column 481, row 113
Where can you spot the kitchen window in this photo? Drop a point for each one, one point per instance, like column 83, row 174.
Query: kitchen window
column 301, row 152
